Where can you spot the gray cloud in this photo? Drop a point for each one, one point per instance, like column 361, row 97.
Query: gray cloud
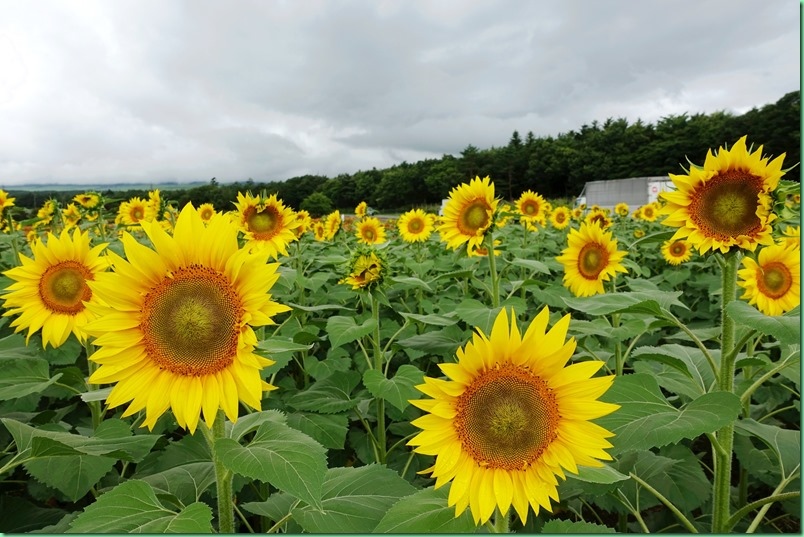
column 150, row 91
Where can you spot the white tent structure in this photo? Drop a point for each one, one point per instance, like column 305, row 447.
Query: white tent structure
column 635, row 191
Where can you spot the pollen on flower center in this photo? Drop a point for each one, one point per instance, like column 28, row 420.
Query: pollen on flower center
column 507, row 418
column 592, row 260
column 191, row 322
column 262, row 222
column 475, row 217
column 727, row 204
column 775, row 281
column 677, row 248
column 63, row 287
column 415, row 226
column 530, row 208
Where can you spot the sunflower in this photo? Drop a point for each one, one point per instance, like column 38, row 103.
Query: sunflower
column 45, row 213
column 648, row 212
column 366, row 269
column 726, row 202
column 503, row 215
column 320, row 231
column 135, row 211
column 622, row 209
column 305, row 222
column 773, row 281
column 50, row 291
column 590, row 259
column 70, row 215
column 370, row 231
column 177, row 330
column 415, row 226
column 531, row 206
column 511, row 418
column 639, row 233
column 87, row 200
column 266, row 223
column 598, row 217
column 792, row 236
column 206, row 211
column 483, row 251
column 5, row 201
column 361, row 209
column 332, row 223
column 676, row 252
column 155, row 201
column 468, row 214
column 560, row 217
column 577, row 213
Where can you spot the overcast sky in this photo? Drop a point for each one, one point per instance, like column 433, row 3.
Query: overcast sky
column 150, row 91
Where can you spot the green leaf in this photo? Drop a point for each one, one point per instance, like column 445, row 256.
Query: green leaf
column 688, row 360
column 568, row 526
column 476, row 314
column 65, row 354
column 328, row 430
column 432, row 319
column 409, row 282
column 24, row 376
column 397, row 390
column 73, row 475
column 646, row 302
column 187, row 482
column 646, row 420
column 328, row 396
column 353, row 500
column 132, row 507
column 342, row 330
column 320, row 307
column 445, row 341
column 425, row 512
column 251, row 422
column 284, row 457
column 14, row 346
column 787, row 329
column 112, row 440
column 532, row 264
column 785, row 443
column 277, row 345
column 685, row 485
column 21, row 516
column 605, row 475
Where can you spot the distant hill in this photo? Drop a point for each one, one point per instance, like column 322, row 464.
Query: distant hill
column 101, row 188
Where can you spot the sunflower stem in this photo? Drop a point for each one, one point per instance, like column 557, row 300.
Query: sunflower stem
column 495, row 283
column 94, row 406
column 721, row 493
column 223, row 477
column 501, row 522
column 378, row 365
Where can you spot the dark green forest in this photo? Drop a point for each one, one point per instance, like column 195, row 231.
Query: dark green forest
column 554, row 166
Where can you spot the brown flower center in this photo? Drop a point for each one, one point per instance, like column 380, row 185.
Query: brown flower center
column 775, row 280
column 530, row 207
column 592, row 259
column 63, row 287
column 560, row 217
column 474, row 218
column 264, row 224
column 191, row 321
column 415, row 225
column 725, row 207
column 678, row 249
column 507, row 418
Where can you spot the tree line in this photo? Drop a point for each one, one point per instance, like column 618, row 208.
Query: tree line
column 554, row 166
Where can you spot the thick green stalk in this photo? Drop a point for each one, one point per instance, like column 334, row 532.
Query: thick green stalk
column 502, row 522
column 495, row 281
column 378, row 365
column 94, row 406
column 721, row 493
column 223, row 477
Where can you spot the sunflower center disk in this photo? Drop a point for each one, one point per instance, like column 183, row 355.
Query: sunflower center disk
column 475, row 217
column 507, row 418
column 592, row 260
column 63, row 287
column 677, row 249
column 415, row 226
column 530, row 208
column 263, row 223
column 775, row 281
column 727, row 204
column 191, row 322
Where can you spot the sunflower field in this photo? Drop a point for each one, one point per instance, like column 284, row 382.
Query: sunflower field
column 508, row 366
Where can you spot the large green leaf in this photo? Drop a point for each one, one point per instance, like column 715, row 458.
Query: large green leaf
column 330, row 395
column 74, row 475
column 24, row 376
column 647, row 302
column 251, row 422
column 132, row 507
column 785, row 328
column 187, row 482
column 431, row 319
column 284, row 457
column 476, row 314
column 785, row 443
column 568, row 526
column 13, row 346
column 532, row 264
column 688, row 360
column 425, row 512
column 397, row 390
column 113, row 440
column 646, row 420
column 342, row 330
column 21, row 516
column 444, row 342
column 605, row 474
column 328, row 430
column 353, row 500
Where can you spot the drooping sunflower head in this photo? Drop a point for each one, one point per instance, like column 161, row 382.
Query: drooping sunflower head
column 504, row 215
column 531, row 205
column 332, row 223
column 622, row 209
column 206, row 211
column 266, row 223
column 590, row 258
column 599, row 218
column 512, row 417
column 370, row 231
column 415, row 226
column 305, row 223
column 361, row 209
column 560, row 217
column 727, row 202
column 792, row 236
column 468, row 214
column 320, row 231
column 773, row 281
column 135, row 211
column 174, row 327
column 367, row 269
column 639, row 233
column 51, row 291
column 88, row 200
column 483, row 251
column 676, row 251
column 71, row 215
